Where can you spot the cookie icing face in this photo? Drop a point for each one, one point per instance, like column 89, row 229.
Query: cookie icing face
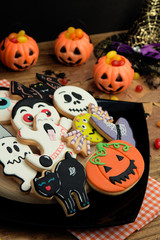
column 25, row 110
column 71, row 100
column 6, row 105
column 82, row 124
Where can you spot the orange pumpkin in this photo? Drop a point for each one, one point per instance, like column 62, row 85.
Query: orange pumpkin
column 115, row 167
column 72, row 51
column 19, row 56
column 112, row 79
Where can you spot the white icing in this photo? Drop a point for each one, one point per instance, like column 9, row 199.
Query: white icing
column 12, row 157
column 51, row 144
column 37, row 108
column 73, row 100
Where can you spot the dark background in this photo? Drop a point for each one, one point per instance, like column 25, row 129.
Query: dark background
column 44, row 20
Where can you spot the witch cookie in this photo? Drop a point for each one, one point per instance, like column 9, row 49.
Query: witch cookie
column 66, row 182
column 71, row 101
column 46, row 136
column 6, row 105
column 120, row 130
column 25, row 110
column 115, row 167
column 12, row 158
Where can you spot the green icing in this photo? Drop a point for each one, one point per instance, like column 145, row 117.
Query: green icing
column 102, row 151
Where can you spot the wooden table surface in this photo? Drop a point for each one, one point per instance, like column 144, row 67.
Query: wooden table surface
column 82, row 76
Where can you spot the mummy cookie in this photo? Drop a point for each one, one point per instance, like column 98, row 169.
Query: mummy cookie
column 115, row 167
column 6, row 105
column 121, row 130
column 25, row 110
column 12, row 158
column 83, row 135
column 66, row 182
column 71, row 101
column 46, row 135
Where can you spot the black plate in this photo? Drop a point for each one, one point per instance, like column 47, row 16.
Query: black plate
column 104, row 210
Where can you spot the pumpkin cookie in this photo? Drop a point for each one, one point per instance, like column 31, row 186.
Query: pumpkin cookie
column 115, row 168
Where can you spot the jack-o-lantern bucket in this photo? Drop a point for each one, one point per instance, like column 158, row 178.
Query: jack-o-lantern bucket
column 113, row 73
column 18, row 51
column 73, row 47
column 115, row 168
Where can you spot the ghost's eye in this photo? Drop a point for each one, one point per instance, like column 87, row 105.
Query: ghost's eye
column 4, row 103
column 41, row 184
column 9, row 149
column 16, row 148
column 84, row 120
column 84, row 127
column 67, row 98
column 28, row 118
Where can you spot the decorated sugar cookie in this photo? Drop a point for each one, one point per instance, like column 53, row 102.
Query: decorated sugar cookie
column 12, row 158
column 66, row 180
column 121, row 130
column 115, row 168
column 25, row 110
column 6, row 105
column 46, row 135
column 71, row 101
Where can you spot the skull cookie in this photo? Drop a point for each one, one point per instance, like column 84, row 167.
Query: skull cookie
column 71, row 101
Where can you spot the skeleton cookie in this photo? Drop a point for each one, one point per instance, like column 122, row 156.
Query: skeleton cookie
column 46, row 135
column 6, row 105
column 71, row 101
column 12, row 158
column 25, row 110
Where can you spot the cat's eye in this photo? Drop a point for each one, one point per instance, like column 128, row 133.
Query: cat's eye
column 50, row 180
column 41, row 184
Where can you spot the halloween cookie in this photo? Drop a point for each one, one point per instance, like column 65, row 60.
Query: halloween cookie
column 121, row 130
column 115, row 167
column 83, row 135
column 25, row 110
column 66, row 182
column 46, row 135
column 12, row 158
column 71, row 101
column 6, row 105
column 42, row 90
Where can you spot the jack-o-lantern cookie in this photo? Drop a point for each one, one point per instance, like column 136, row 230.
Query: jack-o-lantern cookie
column 115, row 168
column 67, row 179
column 71, row 101
column 25, row 110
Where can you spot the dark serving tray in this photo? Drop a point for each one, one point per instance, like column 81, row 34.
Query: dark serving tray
column 104, row 210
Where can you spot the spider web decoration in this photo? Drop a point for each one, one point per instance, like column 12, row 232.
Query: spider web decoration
column 146, row 29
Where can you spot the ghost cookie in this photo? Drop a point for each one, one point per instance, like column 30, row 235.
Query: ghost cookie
column 6, row 105
column 71, row 101
column 66, row 182
column 12, row 158
column 83, row 135
column 115, row 167
column 45, row 135
column 25, row 110
column 120, row 130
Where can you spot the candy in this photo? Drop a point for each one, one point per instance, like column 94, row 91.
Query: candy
column 136, row 75
column 14, row 40
column 114, row 98
column 21, row 33
column 22, row 39
column 157, row 143
column 158, row 123
column 115, row 63
column 79, row 32
column 139, row 88
column 12, row 35
column 111, row 54
column 71, row 30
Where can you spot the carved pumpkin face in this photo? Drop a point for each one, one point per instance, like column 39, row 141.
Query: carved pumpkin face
column 112, row 79
column 115, row 167
column 19, row 56
column 73, row 52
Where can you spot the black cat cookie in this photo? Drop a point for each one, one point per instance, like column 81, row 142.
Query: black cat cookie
column 66, row 182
